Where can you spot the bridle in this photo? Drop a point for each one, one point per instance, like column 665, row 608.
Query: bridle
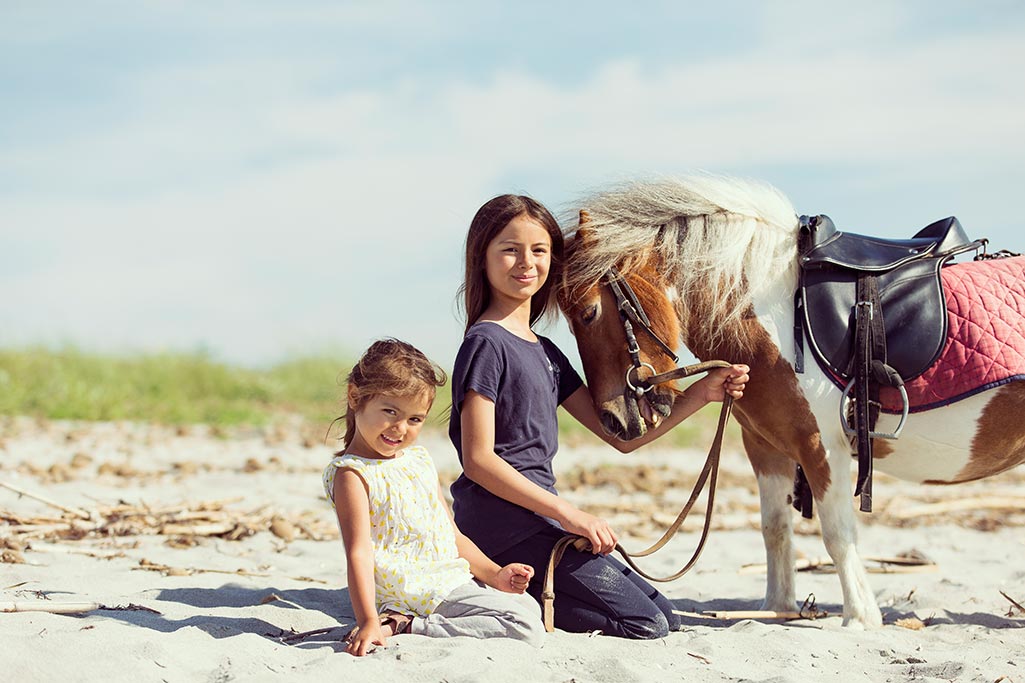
column 631, row 312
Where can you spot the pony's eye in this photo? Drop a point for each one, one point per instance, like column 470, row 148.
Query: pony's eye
column 588, row 314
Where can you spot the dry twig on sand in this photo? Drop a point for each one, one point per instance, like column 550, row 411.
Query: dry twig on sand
column 67, row 607
column 808, row 611
column 180, row 523
column 962, row 505
column 899, row 564
column 82, row 514
column 1017, row 605
column 168, row 570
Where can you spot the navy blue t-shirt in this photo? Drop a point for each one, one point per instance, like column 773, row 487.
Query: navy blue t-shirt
column 527, row 381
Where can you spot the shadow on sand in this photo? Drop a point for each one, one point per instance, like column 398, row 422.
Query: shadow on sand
column 333, row 604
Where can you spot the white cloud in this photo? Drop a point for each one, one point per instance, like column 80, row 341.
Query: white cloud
column 258, row 205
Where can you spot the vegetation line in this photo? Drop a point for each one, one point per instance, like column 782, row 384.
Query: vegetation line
column 192, row 388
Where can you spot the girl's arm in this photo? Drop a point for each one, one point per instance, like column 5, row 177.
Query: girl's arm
column 484, row 467
column 712, row 387
column 512, row 578
column 352, row 505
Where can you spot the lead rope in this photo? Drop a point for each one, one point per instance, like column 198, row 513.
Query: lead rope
column 709, row 473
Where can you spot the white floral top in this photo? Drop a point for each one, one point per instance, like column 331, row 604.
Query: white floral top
column 416, row 563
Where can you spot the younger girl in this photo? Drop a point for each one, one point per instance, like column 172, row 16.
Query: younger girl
column 409, row 568
column 506, row 386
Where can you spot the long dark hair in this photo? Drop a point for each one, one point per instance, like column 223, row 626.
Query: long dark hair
column 490, row 220
column 390, row 367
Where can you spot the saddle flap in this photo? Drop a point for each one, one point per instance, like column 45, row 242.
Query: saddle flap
column 913, row 310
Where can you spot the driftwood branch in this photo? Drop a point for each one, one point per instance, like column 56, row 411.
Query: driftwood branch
column 887, row 565
column 963, row 505
column 68, row 607
column 51, row 607
column 730, row 615
column 739, row 614
column 808, row 611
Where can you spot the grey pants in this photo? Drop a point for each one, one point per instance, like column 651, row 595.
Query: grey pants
column 479, row 611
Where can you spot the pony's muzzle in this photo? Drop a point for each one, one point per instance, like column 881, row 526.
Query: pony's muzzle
column 621, row 418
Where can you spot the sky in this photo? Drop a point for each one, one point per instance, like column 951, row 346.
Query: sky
column 264, row 180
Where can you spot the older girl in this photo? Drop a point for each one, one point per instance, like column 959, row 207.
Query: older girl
column 506, row 386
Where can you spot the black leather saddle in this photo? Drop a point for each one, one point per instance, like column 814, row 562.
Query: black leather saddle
column 874, row 314
column 913, row 308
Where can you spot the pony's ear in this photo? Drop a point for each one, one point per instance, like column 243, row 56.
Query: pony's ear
column 584, row 233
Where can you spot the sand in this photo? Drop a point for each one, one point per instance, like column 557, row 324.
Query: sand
column 206, row 549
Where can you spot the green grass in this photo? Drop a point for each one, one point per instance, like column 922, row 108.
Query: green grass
column 165, row 388
column 191, row 388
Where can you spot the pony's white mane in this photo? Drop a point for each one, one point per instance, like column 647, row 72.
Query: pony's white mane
column 723, row 238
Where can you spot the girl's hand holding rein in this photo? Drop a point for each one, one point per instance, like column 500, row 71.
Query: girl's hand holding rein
column 595, row 529
column 718, row 383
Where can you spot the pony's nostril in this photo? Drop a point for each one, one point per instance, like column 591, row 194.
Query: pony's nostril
column 612, row 424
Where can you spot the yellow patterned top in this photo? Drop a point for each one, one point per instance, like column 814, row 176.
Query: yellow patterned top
column 416, row 563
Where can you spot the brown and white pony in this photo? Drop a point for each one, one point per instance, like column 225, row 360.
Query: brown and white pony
column 714, row 263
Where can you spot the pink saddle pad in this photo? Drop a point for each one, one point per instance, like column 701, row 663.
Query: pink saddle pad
column 985, row 344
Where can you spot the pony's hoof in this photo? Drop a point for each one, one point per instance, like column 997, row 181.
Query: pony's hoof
column 863, row 622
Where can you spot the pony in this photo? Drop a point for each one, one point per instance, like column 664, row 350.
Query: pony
column 713, row 261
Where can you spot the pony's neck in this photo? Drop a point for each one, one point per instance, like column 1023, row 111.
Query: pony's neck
column 767, row 315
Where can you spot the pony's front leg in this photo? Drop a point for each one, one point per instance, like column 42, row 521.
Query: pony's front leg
column 775, row 474
column 840, row 535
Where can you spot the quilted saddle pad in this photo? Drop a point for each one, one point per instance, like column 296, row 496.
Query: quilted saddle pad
column 985, row 345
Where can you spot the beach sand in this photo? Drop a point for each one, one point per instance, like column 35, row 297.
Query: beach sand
column 206, row 549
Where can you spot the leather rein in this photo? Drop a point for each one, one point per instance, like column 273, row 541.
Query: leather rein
column 632, row 314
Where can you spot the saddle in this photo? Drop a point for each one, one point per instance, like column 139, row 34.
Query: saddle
column 874, row 314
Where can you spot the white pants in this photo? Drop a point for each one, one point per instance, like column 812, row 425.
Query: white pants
column 479, row 611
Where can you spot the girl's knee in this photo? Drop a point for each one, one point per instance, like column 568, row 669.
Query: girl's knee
column 530, row 631
column 651, row 628
column 523, row 617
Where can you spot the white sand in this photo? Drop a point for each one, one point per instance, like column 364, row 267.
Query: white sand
column 211, row 626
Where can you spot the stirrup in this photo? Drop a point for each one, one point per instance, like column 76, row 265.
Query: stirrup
column 851, row 431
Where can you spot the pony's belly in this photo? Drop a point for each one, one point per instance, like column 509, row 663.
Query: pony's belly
column 935, row 445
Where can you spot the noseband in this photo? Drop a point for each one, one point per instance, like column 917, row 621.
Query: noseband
column 631, row 312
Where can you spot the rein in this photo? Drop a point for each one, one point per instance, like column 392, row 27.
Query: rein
column 632, row 313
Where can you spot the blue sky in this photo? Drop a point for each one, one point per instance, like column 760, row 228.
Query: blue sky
column 268, row 179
